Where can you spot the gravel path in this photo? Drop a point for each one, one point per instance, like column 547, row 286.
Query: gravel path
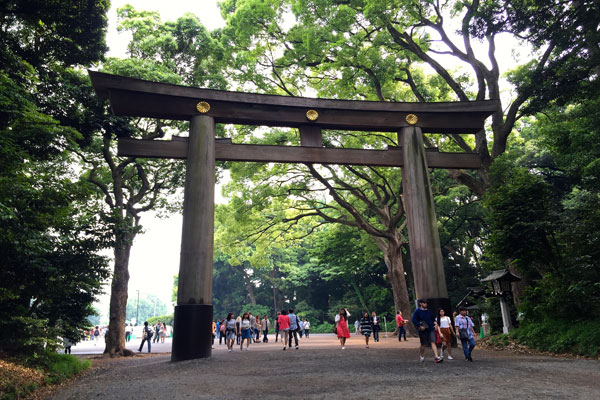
column 321, row 370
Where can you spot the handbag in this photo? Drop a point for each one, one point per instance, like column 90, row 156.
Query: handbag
column 438, row 339
column 463, row 333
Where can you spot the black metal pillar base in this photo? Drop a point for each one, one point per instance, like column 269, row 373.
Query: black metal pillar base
column 443, row 302
column 192, row 332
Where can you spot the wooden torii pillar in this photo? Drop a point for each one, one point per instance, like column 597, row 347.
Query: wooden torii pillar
column 192, row 331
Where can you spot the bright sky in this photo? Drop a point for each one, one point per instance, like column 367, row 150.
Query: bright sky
column 155, row 254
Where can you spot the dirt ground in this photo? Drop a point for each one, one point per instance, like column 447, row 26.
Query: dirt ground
column 320, row 369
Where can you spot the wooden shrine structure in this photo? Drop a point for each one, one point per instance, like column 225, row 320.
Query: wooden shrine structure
column 192, row 330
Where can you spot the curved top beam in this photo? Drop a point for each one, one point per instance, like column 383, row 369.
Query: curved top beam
column 141, row 98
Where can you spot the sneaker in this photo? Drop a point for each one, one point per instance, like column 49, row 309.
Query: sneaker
column 343, row 347
column 421, row 359
column 296, row 347
column 450, row 357
column 229, row 350
column 284, row 348
column 470, row 358
column 438, row 360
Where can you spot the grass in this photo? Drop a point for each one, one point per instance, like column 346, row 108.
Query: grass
column 18, row 380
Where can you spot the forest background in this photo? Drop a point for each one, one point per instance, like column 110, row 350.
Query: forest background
column 315, row 238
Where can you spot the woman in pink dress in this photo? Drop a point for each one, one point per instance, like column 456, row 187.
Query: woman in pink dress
column 341, row 322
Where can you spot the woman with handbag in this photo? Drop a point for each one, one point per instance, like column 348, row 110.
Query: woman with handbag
column 341, row 326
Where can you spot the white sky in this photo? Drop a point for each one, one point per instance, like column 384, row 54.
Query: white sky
column 154, row 257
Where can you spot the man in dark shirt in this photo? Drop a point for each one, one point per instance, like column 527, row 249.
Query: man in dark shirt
column 424, row 322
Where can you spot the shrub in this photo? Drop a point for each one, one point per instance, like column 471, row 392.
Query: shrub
column 561, row 336
column 63, row 366
column 325, row 327
column 166, row 319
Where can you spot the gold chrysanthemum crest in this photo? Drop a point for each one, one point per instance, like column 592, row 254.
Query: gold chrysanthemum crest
column 412, row 119
column 203, row 107
column 312, row 115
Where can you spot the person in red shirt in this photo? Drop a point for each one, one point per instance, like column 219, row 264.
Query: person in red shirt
column 284, row 327
column 400, row 321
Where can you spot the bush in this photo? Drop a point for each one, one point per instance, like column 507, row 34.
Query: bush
column 166, row 319
column 61, row 367
column 18, row 380
column 561, row 336
column 325, row 327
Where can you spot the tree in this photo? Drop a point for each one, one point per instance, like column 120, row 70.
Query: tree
column 49, row 233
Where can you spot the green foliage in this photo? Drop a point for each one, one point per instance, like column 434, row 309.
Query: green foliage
column 256, row 309
column 558, row 335
column 166, row 319
column 148, row 307
column 49, row 231
column 325, row 327
column 61, row 367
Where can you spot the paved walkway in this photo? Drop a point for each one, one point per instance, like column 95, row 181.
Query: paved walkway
column 321, row 370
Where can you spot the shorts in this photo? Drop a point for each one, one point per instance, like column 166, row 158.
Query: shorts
column 426, row 337
column 230, row 335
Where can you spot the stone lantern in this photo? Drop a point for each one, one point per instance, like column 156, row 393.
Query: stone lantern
column 500, row 284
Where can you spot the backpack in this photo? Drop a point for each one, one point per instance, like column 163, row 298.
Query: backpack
column 149, row 333
column 96, row 332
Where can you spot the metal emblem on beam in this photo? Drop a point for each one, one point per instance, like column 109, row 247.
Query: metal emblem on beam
column 203, row 107
column 412, row 119
column 312, row 115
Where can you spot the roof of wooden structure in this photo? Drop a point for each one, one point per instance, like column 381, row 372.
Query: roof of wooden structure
column 141, row 98
column 501, row 275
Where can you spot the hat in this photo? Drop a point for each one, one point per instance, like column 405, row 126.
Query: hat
column 422, row 300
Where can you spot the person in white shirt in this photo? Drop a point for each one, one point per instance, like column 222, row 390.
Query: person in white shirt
column 445, row 324
column 306, row 327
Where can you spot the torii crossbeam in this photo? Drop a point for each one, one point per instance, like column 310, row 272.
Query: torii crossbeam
column 204, row 108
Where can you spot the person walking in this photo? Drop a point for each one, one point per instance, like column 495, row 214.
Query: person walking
column 423, row 320
column 284, row 327
column 376, row 326
column 163, row 332
column 146, row 337
column 366, row 328
column 127, row 332
column 446, row 332
column 400, row 322
column 257, row 328
column 341, row 326
column 230, row 331
column 264, row 326
column 214, row 334
column 465, row 331
column 96, row 335
column 300, row 328
column 238, row 322
column 356, row 325
column 222, row 332
column 67, row 344
column 277, row 325
column 294, row 326
column 246, row 329
column 306, row 327
column 157, row 328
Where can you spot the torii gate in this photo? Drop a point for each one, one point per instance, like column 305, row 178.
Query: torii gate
column 204, row 108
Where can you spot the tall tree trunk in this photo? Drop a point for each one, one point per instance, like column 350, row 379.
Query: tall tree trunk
column 392, row 255
column 115, row 341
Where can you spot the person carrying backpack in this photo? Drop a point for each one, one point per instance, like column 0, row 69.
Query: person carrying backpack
column 146, row 337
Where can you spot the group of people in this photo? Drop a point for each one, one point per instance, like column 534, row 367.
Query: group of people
column 433, row 330
column 247, row 328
